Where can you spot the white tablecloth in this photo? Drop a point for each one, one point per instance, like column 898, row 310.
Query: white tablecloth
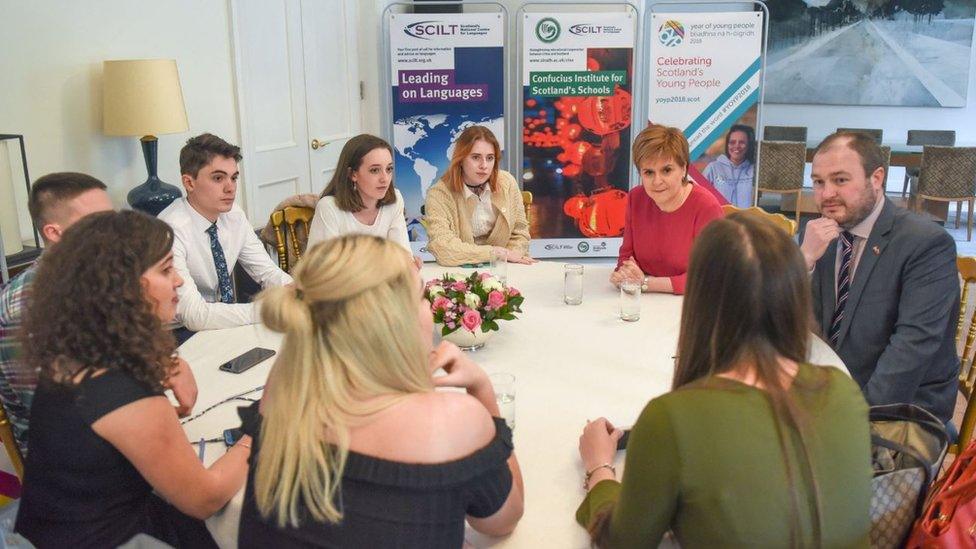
column 571, row 363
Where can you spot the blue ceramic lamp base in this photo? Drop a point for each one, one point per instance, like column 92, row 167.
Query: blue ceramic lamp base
column 154, row 195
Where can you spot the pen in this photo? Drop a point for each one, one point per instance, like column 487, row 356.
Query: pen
column 203, row 448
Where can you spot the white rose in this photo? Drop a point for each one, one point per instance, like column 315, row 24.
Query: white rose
column 472, row 300
column 435, row 290
column 492, row 284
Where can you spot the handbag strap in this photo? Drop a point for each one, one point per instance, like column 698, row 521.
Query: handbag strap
column 911, row 413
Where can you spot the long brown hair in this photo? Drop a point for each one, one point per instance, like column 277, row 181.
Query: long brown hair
column 748, row 303
column 462, row 148
column 342, row 187
column 88, row 310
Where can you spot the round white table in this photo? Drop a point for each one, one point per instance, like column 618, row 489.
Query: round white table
column 571, row 363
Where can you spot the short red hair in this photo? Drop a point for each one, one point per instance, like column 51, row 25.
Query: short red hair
column 657, row 141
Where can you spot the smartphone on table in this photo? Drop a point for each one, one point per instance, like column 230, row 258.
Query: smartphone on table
column 247, row 360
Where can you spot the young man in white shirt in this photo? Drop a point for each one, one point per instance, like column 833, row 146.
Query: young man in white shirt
column 211, row 235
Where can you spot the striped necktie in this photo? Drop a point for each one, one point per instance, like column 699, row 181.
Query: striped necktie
column 224, row 286
column 843, row 284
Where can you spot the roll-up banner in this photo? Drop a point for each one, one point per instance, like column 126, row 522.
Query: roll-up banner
column 577, row 104
column 705, row 78
column 447, row 73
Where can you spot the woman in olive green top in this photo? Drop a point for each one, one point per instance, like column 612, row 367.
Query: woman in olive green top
column 753, row 447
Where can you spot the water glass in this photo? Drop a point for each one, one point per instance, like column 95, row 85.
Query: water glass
column 630, row 295
column 499, row 264
column 504, row 384
column 573, row 284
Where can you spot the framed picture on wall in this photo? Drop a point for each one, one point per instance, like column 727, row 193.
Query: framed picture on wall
column 910, row 53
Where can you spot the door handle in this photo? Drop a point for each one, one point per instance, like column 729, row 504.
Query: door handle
column 316, row 144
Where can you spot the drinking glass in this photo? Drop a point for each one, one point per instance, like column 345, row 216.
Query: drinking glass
column 499, row 264
column 630, row 294
column 504, row 384
column 573, row 284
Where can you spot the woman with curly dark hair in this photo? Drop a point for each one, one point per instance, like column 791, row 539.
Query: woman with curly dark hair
column 103, row 436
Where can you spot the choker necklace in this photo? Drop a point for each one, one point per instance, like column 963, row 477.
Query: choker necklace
column 476, row 188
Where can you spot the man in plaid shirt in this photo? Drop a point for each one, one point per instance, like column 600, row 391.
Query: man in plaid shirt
column 56, row 201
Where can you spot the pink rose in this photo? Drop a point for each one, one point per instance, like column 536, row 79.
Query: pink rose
column 441, row 303
column 471, row 320
column 495, row 299
column 513, row 292
column 484, row 276
column 459, row 287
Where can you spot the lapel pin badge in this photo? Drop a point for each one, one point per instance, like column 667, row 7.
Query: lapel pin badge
column 876, row 250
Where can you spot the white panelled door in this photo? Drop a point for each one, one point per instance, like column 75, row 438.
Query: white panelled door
column 298, row 95
column 332, row 94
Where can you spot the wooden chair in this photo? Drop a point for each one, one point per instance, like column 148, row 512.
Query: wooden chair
column 778, row 219
column 527, row 202
column 785, row 133
column 967, row 375
column 291, row 217
column 920, row 138
column 948, row 174
column 781, row 165
column 10, row 444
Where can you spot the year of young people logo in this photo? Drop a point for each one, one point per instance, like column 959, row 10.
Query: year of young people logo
column 671, row 33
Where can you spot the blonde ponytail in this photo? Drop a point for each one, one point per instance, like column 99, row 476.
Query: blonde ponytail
column 351, row 333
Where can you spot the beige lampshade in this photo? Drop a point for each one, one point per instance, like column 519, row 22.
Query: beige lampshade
column 142, row 97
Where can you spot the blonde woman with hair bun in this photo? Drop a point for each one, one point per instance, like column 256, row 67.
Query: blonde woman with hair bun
column 352, row 446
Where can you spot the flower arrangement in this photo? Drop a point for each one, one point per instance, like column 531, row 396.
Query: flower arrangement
column 475, row 303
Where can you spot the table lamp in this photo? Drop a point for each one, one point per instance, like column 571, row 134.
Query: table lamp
column 143, row 97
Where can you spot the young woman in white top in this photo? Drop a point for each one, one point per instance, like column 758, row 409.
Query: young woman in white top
column 360, row 198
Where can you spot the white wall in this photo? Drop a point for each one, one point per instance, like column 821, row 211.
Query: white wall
column 51, row 55
column 822, row 120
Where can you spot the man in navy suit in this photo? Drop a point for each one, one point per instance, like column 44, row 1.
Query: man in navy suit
column 884, row 280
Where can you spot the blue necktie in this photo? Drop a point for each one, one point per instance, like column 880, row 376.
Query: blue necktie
column 223, row 277
column 843, row 284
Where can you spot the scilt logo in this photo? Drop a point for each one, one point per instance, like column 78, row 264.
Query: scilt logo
column 583, row 29
column 671, row 33
column 558, row 247
column 547, row 30
column 425, row 29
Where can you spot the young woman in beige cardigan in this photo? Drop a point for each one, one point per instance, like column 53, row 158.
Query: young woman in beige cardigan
column 475, row 207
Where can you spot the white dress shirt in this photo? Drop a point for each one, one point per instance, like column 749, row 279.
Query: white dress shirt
column 330, row 222
column 483, row 218
column 200, row 307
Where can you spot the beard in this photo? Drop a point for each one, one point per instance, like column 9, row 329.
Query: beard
column 856, row 212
